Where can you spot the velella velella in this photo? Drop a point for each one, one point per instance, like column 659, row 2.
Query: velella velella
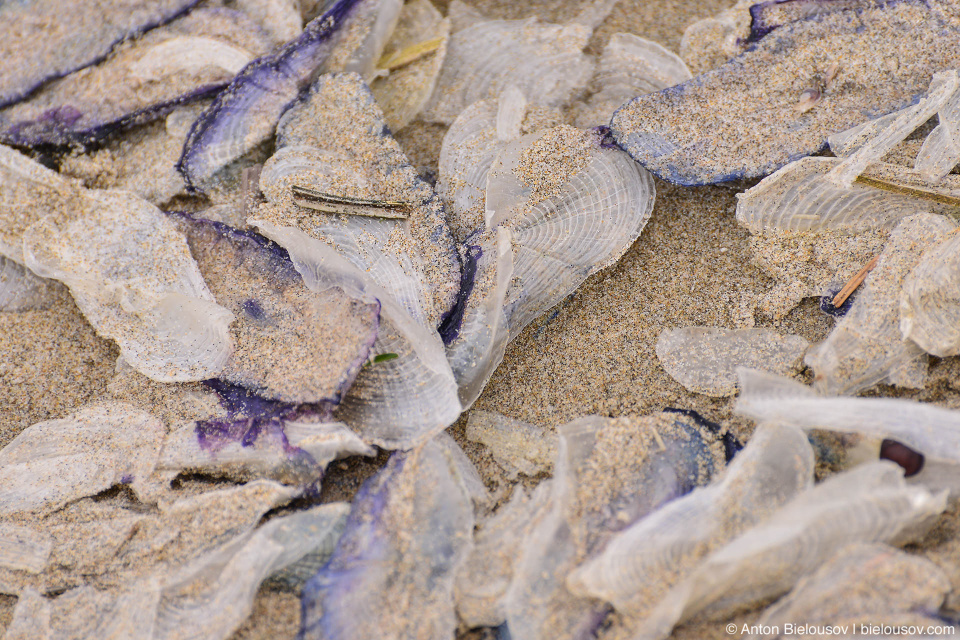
column 768, row 80
column 640, row 564
column 866, row 346
column 545, row 61
column 926, row 429
column 869, row 503
column 392, row 572
column 609, row 473
column 928, row 300
column 210, row 594
column 21, row 289
column 349, row 36
column 517, row 446
column 83, row 35
column 630, row 66
column 408, row 265
column 413, row 58
column 136, row 282
column 52, row 463
column 291, row 344
column 705, row 359
column 871, row 584
column 359, row 306
column 188, row 59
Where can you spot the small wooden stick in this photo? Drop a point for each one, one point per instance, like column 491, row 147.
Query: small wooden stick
column 855, row 282
column 329, row 203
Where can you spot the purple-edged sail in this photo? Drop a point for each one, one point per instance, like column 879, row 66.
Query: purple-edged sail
column 45, row 39
column 802, row 82
column 246, row 113
column 188, row 59
column 292, row 344
column 392, row 573
column 335, row 144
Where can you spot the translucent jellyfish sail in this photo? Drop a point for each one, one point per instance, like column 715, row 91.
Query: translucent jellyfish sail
column 573, row 206
column 191, row 58
column 870, row 503
column 52, row 463
column 409, row 528
column 866, row 346
column 605, row 480
column 408, row 264
column 544, row 60
column 63, row 38
column 705, row 359
column 641, row 563
column 132, row 275
column 349, row 36
column 782, row 98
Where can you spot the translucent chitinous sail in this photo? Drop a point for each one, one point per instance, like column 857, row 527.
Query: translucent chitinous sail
column 641, row 563
column 630, row 66
column 190, row 58
column 334, row 144
column 22, row 290
column 409, row 528
column 52, row 463
column 108, row 542
column 705, row 359
column 545, row 61
column 870, row 503
column 866, row 346
column 609, row 474
column 350, row 36
column 783, row 97
column 932, row 431
column 573, row 206
column 408, row 71
column 930, row 299
column 292, row 344
column 132, row 275
column 209, row 594
column 63, row 38
column 539, row 212
column 869, row 584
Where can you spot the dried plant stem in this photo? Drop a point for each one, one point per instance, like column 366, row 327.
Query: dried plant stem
column 854, row 282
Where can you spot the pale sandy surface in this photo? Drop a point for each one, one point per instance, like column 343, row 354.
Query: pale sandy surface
column 594, row 354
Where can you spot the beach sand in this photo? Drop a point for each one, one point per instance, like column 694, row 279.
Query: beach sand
column 592, row 354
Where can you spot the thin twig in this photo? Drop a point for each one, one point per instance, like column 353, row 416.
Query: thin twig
column 854, row 282
column 329, row 203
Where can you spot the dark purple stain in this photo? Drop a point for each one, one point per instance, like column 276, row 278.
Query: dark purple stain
column 827, row 306
column 253, row 309
column 910, row 460
column 451, row 321
column 761, row 24
column 250, row 239
column 57, row 127
column 731, row 446
column 605, row 138
column 355, row 549
column 126, row 479
column 250, row 418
